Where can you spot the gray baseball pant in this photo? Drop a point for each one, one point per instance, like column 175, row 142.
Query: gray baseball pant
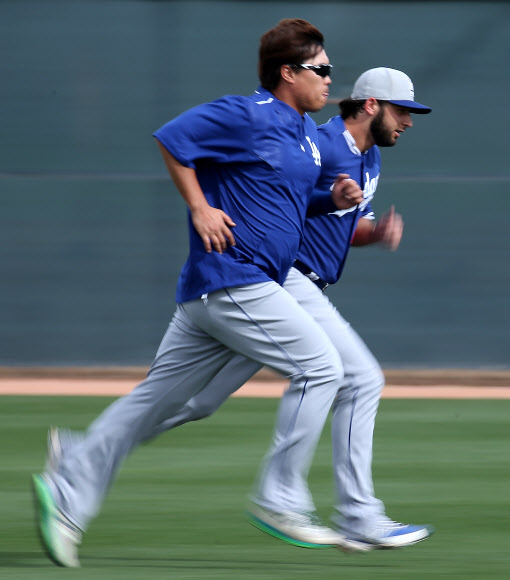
column 262, row 322
column 283, row 483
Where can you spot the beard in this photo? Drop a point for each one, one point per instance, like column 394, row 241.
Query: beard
column 382, row 136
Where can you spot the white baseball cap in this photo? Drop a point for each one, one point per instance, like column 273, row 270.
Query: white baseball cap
column 387, row 84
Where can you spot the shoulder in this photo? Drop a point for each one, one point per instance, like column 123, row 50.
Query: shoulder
column 259, row 107
column 331, row 138
column 262, row 98
column 222, row 114
column 310, row 124
column 331, row 132
column 335, row 126
column 265, row 107
column 228, row 105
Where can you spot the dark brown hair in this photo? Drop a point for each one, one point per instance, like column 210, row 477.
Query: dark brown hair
column 291, row 41
column 350, row 107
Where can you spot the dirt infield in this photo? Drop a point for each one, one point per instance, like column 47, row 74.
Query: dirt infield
column 116, row 381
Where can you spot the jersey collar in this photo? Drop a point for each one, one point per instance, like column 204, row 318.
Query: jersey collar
column 266, row 96
column 349, row 139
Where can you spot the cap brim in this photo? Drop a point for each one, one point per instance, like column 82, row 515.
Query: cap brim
column 413, row 106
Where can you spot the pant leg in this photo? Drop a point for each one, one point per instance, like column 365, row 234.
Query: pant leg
column 304, row 354
column 187, row 359
column 352, row 425
column 353, row 415
column 262, row 322
column 353, row 418
column 228, row 380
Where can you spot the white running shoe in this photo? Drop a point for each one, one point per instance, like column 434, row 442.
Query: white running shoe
column 301, row 529
column 390, row 534
column 59, row 537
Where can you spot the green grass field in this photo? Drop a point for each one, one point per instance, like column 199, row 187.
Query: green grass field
column 177, row 508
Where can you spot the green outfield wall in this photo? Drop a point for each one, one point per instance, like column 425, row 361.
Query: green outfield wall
column 93, row 234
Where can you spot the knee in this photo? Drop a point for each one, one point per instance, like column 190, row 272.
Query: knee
column 378, row 376
column 328, row 373
column 200, row 411
column 372, row 379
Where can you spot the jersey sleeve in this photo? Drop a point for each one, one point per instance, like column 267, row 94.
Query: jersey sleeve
column 217, row 132
column 321, row 202
column 367, row 212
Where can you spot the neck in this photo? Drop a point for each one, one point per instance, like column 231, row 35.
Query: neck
column 283, row 94
column 359, row 128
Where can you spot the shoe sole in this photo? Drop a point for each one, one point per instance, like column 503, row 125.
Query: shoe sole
column 430, row 531
column 264, row 527
column 353, row 546
column 42, row 501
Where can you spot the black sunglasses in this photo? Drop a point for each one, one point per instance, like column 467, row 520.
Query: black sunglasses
column 323, row 70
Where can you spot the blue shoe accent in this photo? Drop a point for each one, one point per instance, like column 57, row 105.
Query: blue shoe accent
column 395, row 535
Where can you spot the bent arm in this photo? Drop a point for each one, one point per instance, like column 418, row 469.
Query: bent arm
column 364, row 233
column 387, row 231
column 213, row 225
column 344, row 194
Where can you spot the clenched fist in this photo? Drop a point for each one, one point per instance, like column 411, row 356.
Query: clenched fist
column 345, row 192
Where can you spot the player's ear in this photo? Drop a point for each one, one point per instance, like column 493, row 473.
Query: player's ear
column 372, row 106
column 287, row 73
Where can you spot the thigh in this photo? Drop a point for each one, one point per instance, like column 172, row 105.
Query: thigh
column 266, row 324
column 188, row 355
column 355, row 355
column 187, row 361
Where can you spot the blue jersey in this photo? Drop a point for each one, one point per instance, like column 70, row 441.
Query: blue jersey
column 257, row 159
column 327, row 238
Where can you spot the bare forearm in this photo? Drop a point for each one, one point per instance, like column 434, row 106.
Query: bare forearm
column 213, row 225
column 185, row 180
column 364, row 233
column 387, row 231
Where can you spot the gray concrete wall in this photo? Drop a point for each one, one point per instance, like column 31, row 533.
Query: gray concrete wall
column 93, row 235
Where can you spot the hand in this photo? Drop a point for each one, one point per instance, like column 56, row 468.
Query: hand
column 213, row 226
column 345, row 192
column 388, row 230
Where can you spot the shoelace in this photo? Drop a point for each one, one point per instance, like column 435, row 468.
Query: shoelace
column 391, row 524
